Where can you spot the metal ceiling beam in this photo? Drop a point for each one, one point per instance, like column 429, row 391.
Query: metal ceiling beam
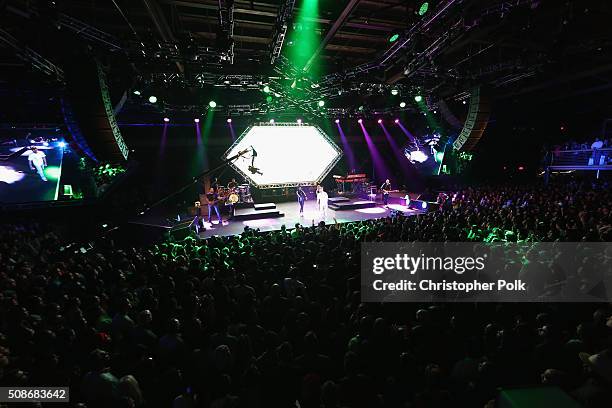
column 344, row 15
column 161, row 25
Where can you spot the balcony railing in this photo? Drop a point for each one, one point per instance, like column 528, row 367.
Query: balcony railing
column 590, row 159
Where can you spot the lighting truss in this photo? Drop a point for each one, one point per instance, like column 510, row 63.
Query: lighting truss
column 285, row 12
column 29, row 55
column 226, row 27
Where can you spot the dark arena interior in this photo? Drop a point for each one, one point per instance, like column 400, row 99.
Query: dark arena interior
column 305, row 203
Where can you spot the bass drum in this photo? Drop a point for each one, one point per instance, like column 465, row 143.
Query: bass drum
column 233, row 198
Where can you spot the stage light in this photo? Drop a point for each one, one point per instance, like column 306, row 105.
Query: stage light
column 196, row 120
column 396, row 121
column 268, row 98
column 152, row 99
column 229, row 120
column 402, row 104
column 424, row 7
column 464, row 102
column 137, row 92
column 337, row 120
column 379, row 121
column 61, row 144
column 271, row 121
column 321, row 104
column 166, row 120
column 360, row 121
column 212, row 104
column 299, row 121
column 394, row 92
column 424, row 205
column 266, row 89
column 394, row 37
column 418, row 98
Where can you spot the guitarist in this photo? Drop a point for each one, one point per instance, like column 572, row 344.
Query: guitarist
column 386, row 188
column 213, row 203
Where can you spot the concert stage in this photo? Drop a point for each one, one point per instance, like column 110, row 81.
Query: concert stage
column 291, row 211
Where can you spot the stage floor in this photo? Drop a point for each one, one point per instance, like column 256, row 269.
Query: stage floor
column 292, row 217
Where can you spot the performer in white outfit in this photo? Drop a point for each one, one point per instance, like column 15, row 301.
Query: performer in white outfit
column 38, row 160
column 322, row 201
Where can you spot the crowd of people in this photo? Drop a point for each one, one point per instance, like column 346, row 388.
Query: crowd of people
column 275, row 319
column 597, row 143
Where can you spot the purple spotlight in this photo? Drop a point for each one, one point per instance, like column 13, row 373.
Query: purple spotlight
column 360, row 120
column 396, row 121
column 379, row 121
column 196, row 120
column 166, row 120
column 229, row 120
column 337, row 120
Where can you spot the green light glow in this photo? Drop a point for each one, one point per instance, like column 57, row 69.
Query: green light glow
column 305, row 37
column 212, row 104
column 321, row 104
column 423, row 9
column 268, row 98
column 52, row 172
column 418, row 98
column 439, row 156
column 394, row 38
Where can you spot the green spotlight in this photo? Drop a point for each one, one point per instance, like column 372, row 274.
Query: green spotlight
column 402, row 104
column 439, row 157
column 212, row 104
column 394, row 92
column 321, row 104
column 394, row 38
column 266, row 89
column 268, row 98
column 52, row 172
column 424, row 7
column 418, row 98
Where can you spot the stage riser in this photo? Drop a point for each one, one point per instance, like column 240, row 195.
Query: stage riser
column 257, row 215
column 351, row 206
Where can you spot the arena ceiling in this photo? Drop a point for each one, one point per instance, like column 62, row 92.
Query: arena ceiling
column 182, row 49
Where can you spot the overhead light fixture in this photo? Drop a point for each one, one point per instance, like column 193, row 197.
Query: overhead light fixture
column 379, row 121
column 396, row 121
column 337, row 120
column 196, row 120
column 212, row 104
column 229, row 120
column 360, row 120
column 152, row 99
column 266, row 89
column 299, row 121
column 423, row 8
column 321, row 104
column 271, row 121
column 166, row 120
column 394, row 92
column 402, row 104
column 137, row 92
column 394, row 37
column 418, row 98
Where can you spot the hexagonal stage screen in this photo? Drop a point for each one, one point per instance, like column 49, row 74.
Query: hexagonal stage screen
column 288, row 154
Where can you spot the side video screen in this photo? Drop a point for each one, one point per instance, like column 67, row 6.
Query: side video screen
column 30, row 170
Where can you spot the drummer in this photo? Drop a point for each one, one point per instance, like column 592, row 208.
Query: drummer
column 232, row 185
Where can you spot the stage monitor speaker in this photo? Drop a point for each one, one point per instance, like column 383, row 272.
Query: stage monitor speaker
column 92, row 111
column 476, row 121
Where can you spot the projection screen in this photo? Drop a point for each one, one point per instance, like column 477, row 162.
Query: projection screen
column 288, row 154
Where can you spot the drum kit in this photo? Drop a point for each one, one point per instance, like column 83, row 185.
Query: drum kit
column 239, row 194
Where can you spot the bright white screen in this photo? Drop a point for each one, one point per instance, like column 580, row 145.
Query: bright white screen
column 285, row 154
